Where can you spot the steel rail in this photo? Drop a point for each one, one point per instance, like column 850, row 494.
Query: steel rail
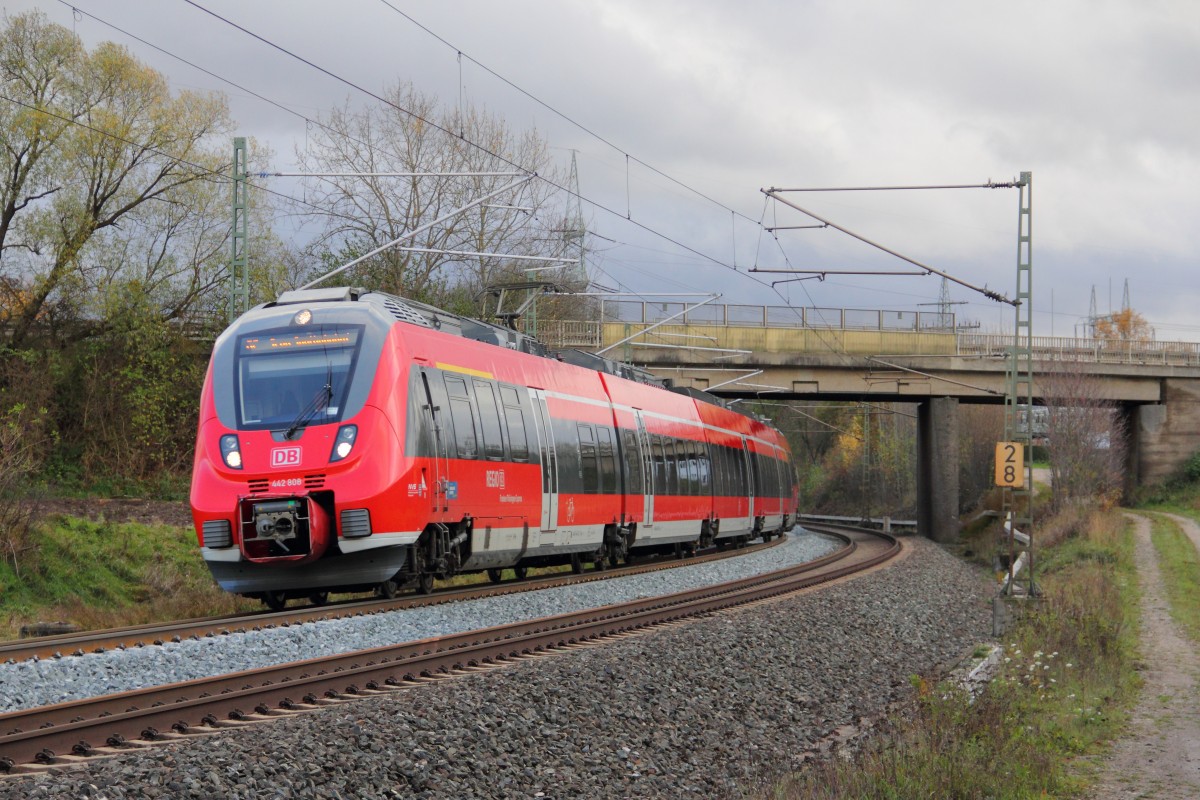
column 157, row 633
column 40, row 735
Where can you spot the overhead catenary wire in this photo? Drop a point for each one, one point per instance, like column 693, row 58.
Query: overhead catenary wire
column 994, row 295
column 988, row 185
column 417, row 230
column 500, row 157
column 309, row 121
column 598, row 205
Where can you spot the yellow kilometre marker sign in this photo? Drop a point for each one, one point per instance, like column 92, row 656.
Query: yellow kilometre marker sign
column 1010, row 464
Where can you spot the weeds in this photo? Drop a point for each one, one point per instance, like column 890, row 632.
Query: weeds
column 1064, row 678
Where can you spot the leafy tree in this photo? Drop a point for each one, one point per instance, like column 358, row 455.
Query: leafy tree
column 1124, row 325
column 97, row 152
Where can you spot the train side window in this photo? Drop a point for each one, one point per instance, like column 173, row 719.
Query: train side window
column 514, row 420
column 687, row 465
column 668, row 462
column 489, row 418
column 716, row 469
column 632, row 462
column 608, row 462
column 729, row 487
column 704, row 464
column 694, row 456
column 674, row 477
column 660, row 469
column 588, row 469
column 461, row 417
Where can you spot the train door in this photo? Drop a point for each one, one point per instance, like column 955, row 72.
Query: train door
column 643, row 440
column 751, row 475
column 549, row 458
column 435, row 478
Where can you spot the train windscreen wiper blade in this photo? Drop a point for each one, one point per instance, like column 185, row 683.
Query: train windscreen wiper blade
column 320, row 402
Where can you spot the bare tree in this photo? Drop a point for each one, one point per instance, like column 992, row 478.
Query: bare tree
column 980, row 427
column 1086, row 438
column 366, row 210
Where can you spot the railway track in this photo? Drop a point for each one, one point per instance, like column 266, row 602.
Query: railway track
column 78, row 644
column 79, row 730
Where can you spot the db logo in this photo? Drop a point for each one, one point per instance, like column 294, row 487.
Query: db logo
column 285, row 457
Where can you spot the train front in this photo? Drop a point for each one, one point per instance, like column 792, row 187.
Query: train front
column 293, row 447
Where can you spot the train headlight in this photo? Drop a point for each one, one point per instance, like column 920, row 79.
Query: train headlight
column 343, row 445
column 231, row 452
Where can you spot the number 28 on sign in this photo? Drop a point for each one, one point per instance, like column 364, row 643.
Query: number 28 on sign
column 1010, row 464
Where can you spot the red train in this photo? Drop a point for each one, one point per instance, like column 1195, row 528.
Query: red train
column 352, row 440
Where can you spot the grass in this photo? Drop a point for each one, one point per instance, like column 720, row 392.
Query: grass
column 104, row 575
column 100, row 574
column 1180, row 566
column 1066, row 677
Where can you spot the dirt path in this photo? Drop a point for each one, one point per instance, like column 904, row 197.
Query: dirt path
column 1160, row 755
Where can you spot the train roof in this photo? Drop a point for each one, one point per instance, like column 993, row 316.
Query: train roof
column 418, row 313
column 424, row 315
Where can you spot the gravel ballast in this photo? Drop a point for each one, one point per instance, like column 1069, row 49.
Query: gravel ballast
column 27, row 684
column 716, row 708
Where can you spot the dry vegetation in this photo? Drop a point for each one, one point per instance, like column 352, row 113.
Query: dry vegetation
column 1065, row 678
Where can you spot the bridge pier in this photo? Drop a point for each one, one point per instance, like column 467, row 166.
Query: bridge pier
column 937, row 469
column 1162, row 437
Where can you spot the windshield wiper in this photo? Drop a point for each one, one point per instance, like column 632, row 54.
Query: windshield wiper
column 320, row 402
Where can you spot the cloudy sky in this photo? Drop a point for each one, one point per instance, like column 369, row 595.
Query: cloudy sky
column 1099, row 100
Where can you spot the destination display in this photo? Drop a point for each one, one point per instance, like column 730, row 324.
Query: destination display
column 299, row 341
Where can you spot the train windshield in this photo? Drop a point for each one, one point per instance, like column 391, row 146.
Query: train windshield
column 288, row 380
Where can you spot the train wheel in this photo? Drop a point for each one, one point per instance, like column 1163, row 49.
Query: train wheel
column 521, row 572
column 319, row 598
column 598, row 560
column 614, row 557
column 494, row 575
column 275, row 600
column 388, row 590
column 425, row 583
column 576, row 563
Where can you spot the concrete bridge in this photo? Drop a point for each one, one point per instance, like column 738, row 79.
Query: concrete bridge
column 899, row 356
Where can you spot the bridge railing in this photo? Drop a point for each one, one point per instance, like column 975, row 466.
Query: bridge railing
column 728, row 315
column 1099, row 351
column 590, row 334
